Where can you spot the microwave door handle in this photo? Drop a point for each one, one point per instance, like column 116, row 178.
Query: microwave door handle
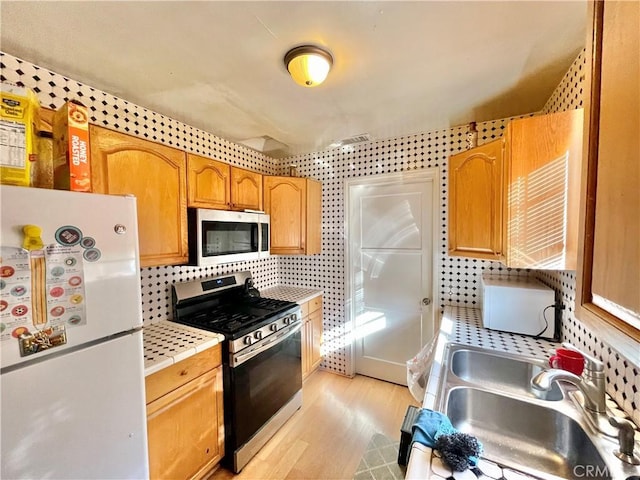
column 255, row 238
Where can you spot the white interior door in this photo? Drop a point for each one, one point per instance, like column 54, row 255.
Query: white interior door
column 390, row 237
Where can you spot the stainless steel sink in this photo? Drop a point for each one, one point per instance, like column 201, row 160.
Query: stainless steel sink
column 509, row 373
column 487, row 393
column 524, row 435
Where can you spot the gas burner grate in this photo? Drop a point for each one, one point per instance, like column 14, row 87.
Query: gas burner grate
column 232, row 310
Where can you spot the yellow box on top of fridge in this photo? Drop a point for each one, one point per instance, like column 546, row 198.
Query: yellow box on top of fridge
column 19, row 120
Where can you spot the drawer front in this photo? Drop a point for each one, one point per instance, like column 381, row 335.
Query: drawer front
column 315, row 304
column 170, row 378
column 305, row 309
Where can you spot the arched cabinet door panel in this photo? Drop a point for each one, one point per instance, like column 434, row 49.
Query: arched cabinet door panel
column 209, row 183
column 294, row 205
column 285, row 201
column 246, row 189
column 156, row 175
column 475, row 202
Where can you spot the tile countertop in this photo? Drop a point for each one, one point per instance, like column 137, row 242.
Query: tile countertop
column 291, row 294
column 166, row 343
column 464, row 325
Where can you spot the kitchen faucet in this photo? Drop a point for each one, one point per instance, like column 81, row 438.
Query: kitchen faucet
column 591, row 383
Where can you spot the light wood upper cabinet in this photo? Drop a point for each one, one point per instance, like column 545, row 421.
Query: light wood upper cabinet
column 209, row 183
column 516, row 200
column 543, row 158
column 246, row 189
column 218, row 185
column 608, row 290
column 475, row 202
column 156, row 175
column 314, row 217
column 294, row 205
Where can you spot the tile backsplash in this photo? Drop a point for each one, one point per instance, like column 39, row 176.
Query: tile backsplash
column 458, row 278
column 106, row 110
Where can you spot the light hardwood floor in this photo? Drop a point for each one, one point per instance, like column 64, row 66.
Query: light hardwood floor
column 326, row 438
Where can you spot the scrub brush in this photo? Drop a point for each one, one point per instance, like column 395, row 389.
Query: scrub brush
column 459, row 450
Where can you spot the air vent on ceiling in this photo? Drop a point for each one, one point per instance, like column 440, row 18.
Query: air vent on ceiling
column 363, row 137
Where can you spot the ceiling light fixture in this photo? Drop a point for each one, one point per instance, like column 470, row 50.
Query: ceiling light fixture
column 308, row 65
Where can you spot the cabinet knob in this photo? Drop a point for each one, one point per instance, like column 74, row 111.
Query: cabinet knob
column 426, row 301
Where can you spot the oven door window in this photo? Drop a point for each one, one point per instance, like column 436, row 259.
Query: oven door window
column 261, row 386
column 228, row 238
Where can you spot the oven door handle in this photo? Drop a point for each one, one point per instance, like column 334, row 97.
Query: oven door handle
column 267, row 343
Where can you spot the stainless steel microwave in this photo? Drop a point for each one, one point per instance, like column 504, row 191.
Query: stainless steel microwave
column 221, row 236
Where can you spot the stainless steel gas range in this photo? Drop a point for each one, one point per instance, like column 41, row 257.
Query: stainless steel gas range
column 261, row 357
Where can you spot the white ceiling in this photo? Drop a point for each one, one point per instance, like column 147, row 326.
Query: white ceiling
column 399, row 67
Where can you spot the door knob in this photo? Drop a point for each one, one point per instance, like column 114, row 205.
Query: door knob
column 426, row 301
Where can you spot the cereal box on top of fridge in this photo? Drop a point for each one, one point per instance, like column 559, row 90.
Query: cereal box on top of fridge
column 71, row 162
column 19, row 120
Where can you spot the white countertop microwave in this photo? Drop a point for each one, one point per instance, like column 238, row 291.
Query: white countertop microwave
column 221, row 236
column 518, row 304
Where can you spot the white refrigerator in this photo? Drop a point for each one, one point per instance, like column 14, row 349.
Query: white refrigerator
column 72, row 368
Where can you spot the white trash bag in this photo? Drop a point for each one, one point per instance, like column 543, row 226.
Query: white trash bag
column 418, row 370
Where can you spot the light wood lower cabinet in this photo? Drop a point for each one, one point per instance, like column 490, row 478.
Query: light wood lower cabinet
column 311, row 337
column 185, row 418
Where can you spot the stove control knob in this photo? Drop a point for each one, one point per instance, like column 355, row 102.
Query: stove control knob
column 257, row 335
column 287, row 320
column 248, row 340
column 274, row 327
column 293, row 317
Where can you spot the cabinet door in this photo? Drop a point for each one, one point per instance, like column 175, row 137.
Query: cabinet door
column 246, row 189
column 315, row 320
column 475, row 202
column 156, row 175
column 616, row 229
column 314, row 217
column 185, row 429
column 542, row 173
column 209, row 183
column 608, row 274
column 306, row 336
column 285, row 200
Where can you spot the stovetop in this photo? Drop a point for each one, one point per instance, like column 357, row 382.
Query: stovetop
column 239, row 318
column 230, row 305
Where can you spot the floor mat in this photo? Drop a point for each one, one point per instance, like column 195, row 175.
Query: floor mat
column 380, row 460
